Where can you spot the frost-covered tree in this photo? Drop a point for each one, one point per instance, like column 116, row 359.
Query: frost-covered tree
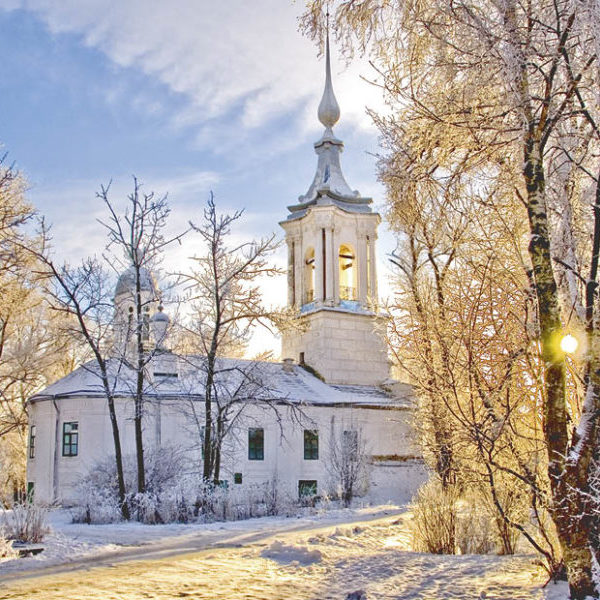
column 347, row 461
column 136, row 240
column 32, row 354
column 224, row 287
column 504, row 91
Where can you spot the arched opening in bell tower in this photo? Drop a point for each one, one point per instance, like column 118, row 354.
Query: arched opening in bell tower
column 347, row 272
column 309, row 276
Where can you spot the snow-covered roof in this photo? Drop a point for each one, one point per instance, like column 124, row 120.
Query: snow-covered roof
column 244, row 380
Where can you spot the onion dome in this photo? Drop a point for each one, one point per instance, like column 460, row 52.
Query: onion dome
column 159, row 322
column 329, row 186
column 126, row 282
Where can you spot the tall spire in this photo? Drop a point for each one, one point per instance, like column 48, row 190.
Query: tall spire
column 329, row 185
column 329, row 110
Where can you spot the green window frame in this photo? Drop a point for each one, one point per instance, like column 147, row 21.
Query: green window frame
column 32, row 433
column 307, row 488
column 256, row 443
column 70, row 445
column 311, row 444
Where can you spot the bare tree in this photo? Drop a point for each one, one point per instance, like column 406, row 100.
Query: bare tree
column 347, row 461
column 227, row 305
column 82, row 296
column 138, row 235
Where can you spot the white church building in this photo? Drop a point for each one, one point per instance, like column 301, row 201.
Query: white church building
column 334, row 372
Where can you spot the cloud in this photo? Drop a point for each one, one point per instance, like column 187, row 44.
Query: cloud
column 241, row 62
column 73, row 209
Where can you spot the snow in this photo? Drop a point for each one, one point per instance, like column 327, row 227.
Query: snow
column 297, row 555
column 293, row 384
column 324, row 556
column 70, row 542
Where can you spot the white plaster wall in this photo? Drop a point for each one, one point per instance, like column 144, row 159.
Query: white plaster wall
column 345, row 348
column 387, row 432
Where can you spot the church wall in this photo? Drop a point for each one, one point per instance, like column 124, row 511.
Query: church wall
column 394, row 472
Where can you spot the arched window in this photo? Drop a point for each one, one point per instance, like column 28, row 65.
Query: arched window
column 129, row 321
column 146, row 325
column 347, row 272
column 309, row 276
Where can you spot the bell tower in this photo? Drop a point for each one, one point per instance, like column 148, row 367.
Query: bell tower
column 332, row 276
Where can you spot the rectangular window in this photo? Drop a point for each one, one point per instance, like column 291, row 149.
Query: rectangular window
column 237, row 478
column 256, row 443
column 30, row 491
column 32, row 441
column 307, row 488
column 311, row 444
column 70, row 438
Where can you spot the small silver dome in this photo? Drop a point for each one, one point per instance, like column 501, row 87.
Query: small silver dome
column 160, row 316
column 126, row 282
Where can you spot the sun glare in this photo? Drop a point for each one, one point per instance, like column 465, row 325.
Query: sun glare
column 569, row 344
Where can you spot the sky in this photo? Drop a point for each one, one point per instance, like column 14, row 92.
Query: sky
column 191, row 96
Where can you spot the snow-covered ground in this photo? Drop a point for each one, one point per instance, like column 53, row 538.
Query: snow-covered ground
column 323, row 556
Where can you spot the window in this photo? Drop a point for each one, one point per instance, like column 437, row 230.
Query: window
column 30, row 491
column 202, row 438
column 309, row 276
column 311, row 444
column 307, row 488
column 237, row 478
column 70, row 438
column 146, row 325
column 347, row 273
column 32, row 441
column 256, row 443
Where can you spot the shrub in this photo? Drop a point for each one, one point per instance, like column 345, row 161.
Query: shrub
column 474, row 528
column 7, row 552
column 434, row 519
column 25, row 523
column 163, row 501
column 515, row 507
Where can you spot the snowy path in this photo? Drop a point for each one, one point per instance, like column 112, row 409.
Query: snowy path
column 289, row 561
column 72, row 547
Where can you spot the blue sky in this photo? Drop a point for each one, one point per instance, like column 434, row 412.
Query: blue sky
column 190, row 96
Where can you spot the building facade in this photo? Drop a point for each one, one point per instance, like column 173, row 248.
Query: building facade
column 334, row 373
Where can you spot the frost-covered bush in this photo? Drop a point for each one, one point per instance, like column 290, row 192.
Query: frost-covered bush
column 7, row 552
column 164, row 499
column 474, row 528
column 175, row 493
column 236, row 503
column 25, row 523
column 98, row 502
column 434, row 519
